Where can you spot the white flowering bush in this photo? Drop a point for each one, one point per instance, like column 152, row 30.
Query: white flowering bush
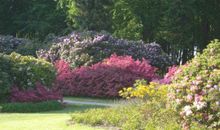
column 195, row 91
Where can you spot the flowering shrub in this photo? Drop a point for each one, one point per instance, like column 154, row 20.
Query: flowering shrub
column 88, row 48
column 172, row 71
column 195, row 91
column 103, row 79
column 39, row 93
column 141, row 89
column 23, row 71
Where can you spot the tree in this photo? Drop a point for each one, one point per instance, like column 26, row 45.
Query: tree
column 88, row 14
column 30, row 17
column 188, row 25
column 146, row 13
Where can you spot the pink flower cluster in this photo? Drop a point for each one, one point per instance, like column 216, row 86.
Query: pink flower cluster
column 38, row 94
column 103, row 79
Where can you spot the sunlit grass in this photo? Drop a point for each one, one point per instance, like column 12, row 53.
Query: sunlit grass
column 53, row 120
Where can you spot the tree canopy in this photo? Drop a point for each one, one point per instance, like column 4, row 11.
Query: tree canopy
column 180, row 26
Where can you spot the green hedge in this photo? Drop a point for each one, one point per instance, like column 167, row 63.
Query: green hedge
column 31, row 107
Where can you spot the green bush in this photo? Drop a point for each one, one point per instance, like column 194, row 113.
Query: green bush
column 134, row 116
column 5, row 79
column 31, row 107
column 30, row 48
column 24, row 72
column 32, row 70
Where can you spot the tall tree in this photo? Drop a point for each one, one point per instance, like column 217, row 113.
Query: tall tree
column 89, row 14
column 146, row 13
column 189, row 24
column 30, row 17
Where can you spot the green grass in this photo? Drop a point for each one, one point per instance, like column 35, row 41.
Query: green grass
column 53, row 120
column 97, row 100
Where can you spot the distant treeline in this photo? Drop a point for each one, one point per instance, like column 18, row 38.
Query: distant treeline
column 179, row 26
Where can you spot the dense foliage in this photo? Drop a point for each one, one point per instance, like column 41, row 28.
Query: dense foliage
column 32, row 18
column 132, row 116
column 24, row 72
column 195, row 89
column 38, row 94
column 89, row 47
column 88, row 14
column 151, row 91
column 103, row 79
column 32, row 71
column 9, row 44
column 181, row 27
column 30, row 107
column 5, row 77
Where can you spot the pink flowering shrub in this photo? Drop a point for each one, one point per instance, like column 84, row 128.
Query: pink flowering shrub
column 103, row 79
column 40, row 93
column 195, row 91
column 172, row 71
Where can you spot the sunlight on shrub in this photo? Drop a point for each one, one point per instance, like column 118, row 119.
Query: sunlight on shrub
column 195, row 92
column 141, row 89
column 103, row 79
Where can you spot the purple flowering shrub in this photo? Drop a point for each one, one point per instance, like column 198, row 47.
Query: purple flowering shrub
column 87, row 48
column 103, row 79
column 38, row 94
column 195, row 91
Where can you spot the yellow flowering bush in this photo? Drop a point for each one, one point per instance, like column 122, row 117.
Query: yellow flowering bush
column 143, row 90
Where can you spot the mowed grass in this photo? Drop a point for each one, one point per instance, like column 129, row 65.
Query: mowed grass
column 53, row 120
column 88, row 99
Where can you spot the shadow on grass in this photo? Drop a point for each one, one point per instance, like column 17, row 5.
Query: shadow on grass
column 74, row 108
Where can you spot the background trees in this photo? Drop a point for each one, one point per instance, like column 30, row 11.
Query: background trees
column 31, row 17
column 182, row 27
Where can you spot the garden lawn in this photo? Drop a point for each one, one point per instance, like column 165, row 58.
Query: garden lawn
column 54, row 120
column 96, row 100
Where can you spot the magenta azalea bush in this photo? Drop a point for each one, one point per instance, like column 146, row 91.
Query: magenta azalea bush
column 103, row 79
column 37, row 94
column 195, row 91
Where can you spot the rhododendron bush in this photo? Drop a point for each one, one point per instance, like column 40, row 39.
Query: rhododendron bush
column 37, row 94
column 196, row 89
column 103, row 79
column 87, row 48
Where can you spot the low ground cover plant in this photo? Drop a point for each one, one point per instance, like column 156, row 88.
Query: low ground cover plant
column 87, row 48
column 135, row 115
column 30, row 107
column 103, row 79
